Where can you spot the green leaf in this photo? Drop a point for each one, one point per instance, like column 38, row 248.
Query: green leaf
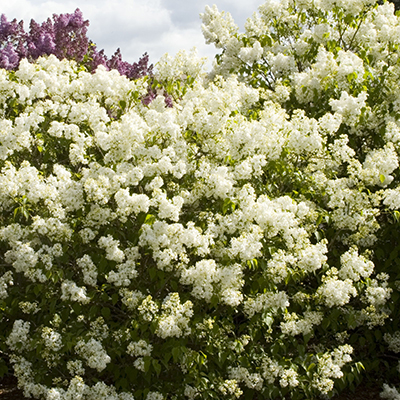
column 150, row 219
column 114, row 299
column 147, row 363
column 156, row 366
column 350, row 377
column 122, row 384
column 176, row 353
column 105, row 312
column 37, row 289
column 311, row 367
column 228, row 205
column 77, row 308
column 152, row 272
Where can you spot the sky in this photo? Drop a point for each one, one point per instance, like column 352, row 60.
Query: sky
column 136, row 26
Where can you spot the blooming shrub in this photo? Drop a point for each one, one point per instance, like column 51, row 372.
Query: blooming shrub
column 240, row 244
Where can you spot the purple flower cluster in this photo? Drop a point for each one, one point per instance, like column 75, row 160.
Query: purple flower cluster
column 65, row 37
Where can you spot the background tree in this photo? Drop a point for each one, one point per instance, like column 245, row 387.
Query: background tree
column 65, row 37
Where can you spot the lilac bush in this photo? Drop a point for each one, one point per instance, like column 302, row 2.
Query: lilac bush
column 242, row 244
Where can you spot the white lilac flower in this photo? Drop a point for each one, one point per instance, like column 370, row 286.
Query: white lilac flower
column 349, row 107
column 230, row 387
column 18, row 340
column 111, row 246
column 273, row 301
column 288, row 377
column 75, row 367
column 89, row 270
column 71, row 292
column 6, row 280
column 139, row 349
column 175, row 317
column 148, row 308
column 131, row 299
column 202, row 276
column 329, row 367
column 336, row 292
column 51, row 338
column 93, row 353
column 29, row 307
column 217, row 27
column 389, row 393
column 294, row 325
column 354, row 266
column 251, row 380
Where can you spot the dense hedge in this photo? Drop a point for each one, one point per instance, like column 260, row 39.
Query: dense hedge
column 238, row 242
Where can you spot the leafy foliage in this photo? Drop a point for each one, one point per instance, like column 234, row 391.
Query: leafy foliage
column 235, row 236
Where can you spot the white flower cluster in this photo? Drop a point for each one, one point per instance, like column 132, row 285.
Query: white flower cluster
column 19, row 340
column 148, row 307
column 180, row 67
column 378, row 293
column 154, row 396
column 293, row 325
column 393, row 341
column 28, row 307
column 273, row 301
column 206, row 275
column 77, row 389
column 71, row 292
column 139, row 349
column 89, row 270
column 354, row 266
column 131, row 299
column 75, row 367
column 99, row 329
column 126, row 271
column 336, row 292
column 52, row 339
column 111, row 246
column 271, row 370
column 389, row 393
column 329, row 366
column 93, row 353
column 175, row 317
column 170, row 241
column 5, row 281
column 230, row 387
column 251, row 380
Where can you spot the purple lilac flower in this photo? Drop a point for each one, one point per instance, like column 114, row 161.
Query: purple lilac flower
column 168, row 101
column 41, row 39
column 9, row 58
column 9, row 31
column 150, row 96
column 70, row 35
column 96, row 58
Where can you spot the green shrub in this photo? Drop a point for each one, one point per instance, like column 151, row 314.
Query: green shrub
column 240, row 244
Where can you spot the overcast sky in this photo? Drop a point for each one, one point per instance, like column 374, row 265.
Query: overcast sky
column 136, row 26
